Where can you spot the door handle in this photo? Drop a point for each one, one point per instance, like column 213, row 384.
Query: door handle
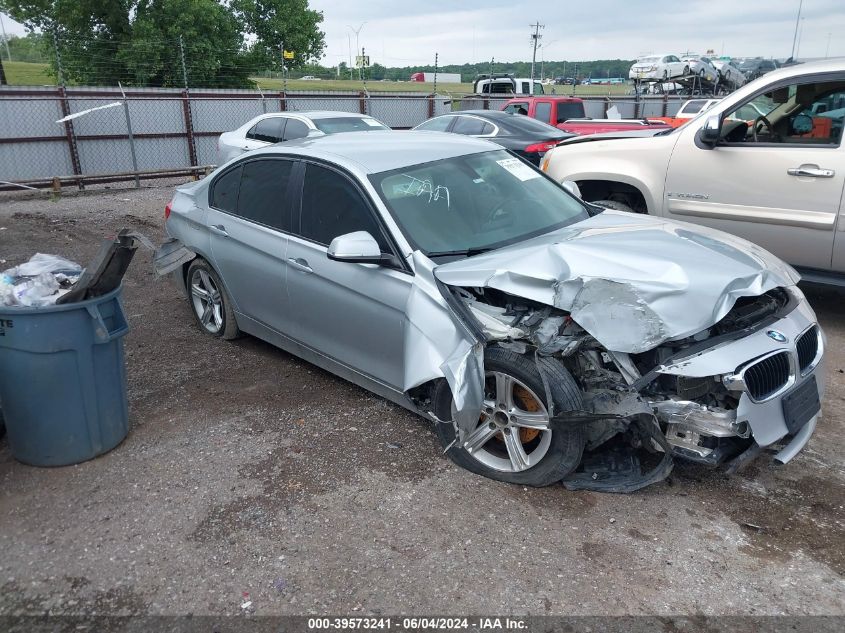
column 811, row 171
column 300, row 264
column 219, row 229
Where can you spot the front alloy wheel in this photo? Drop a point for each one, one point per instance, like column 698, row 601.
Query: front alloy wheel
column 513, row 440
column 513, row 432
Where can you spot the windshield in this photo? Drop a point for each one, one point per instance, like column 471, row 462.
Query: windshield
column 348, row 124
column 645, row 60
column 474, row 203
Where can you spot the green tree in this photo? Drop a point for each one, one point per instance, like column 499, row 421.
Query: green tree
column 275, row 23
column 32, row 48
column 138, row 41
column 205, row 30
column 376, row 72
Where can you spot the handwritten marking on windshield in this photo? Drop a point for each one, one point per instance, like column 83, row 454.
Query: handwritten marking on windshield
column 417, row 187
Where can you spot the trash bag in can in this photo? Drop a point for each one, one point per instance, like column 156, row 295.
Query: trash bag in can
column 63, row 379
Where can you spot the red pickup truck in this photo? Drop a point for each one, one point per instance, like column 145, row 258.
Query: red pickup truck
column 567, row 114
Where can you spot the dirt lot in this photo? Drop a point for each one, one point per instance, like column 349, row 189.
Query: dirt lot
column 248, row 471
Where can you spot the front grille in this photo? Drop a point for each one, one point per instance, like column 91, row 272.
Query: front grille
column 808, row 347
column 767, row 376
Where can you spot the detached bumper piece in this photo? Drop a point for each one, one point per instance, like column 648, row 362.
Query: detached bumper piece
column 617, row 466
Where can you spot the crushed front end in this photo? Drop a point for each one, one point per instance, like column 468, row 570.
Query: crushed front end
column 750, row 381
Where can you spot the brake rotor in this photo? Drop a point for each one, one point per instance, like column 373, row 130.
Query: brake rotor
column 526, row 402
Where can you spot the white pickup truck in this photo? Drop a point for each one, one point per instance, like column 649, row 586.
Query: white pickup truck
column 766, row 163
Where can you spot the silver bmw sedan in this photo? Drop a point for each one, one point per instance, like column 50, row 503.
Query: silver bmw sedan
column 546, row 338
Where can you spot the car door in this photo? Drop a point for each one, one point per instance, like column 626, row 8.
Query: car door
column 781, row 189
column 350, row 312
column 248, row 217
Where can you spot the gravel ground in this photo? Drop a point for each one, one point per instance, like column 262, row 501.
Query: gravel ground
column 251, row 476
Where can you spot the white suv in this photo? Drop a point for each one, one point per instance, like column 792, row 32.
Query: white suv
column 766, row 163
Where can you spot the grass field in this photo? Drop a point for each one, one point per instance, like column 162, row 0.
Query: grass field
column 426, row 87
column 30, row 74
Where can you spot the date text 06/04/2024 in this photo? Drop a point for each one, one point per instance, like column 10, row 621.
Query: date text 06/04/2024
column 417, row 623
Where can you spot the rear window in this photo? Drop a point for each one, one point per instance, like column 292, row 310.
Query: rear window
column 693, row 107
column 348, row 124
column 526, row 125
column 569, row 110
column 437, row 124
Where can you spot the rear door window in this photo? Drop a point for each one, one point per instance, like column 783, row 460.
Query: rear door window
column 224, row 191
column 269, row 130
column 263, row 192
column 543, row 111
column 470, row 126
column 295, row 129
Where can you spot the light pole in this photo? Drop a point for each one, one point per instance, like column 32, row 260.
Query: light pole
column 5, row 39
column 357, row 48
column 543, row 48
column 800, row 35
column 795, row 36
column 535, row 40
column 349, row 44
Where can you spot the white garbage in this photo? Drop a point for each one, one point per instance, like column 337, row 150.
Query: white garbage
column 38, row 282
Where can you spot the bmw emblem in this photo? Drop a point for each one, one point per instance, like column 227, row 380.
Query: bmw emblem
column 780, row 337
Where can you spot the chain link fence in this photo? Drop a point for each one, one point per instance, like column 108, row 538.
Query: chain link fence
column 109, row 135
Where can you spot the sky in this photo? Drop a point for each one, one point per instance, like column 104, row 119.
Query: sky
column 410, row 32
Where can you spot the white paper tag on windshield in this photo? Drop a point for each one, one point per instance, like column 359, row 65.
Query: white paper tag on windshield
column 372, row 122
column 518, row 168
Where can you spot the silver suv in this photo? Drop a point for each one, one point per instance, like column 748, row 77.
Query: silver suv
column 766, row 163
column 547, row 339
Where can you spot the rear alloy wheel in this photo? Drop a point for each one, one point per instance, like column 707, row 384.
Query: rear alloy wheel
column 686, row 71
column 513, row 440
column 210, row 301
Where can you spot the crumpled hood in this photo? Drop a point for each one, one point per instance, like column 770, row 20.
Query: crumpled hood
column 631, row 281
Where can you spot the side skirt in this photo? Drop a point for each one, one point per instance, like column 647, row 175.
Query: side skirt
column 259, row 330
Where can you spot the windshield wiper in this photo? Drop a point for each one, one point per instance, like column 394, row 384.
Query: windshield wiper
column 467, row 252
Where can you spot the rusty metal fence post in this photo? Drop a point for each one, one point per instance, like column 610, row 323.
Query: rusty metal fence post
column 71, row 137
column 189, row 128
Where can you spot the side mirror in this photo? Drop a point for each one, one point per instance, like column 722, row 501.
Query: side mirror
column 358, row 247
column 711, row 132
column 572, row 187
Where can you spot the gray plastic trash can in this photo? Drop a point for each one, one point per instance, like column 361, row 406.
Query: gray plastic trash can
column 63, row 380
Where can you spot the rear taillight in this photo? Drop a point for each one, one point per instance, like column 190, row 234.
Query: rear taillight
column 167, row 209
column 540, row 147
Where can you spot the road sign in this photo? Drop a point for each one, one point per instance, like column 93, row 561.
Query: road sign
column 362, row 61
column 288, row 54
